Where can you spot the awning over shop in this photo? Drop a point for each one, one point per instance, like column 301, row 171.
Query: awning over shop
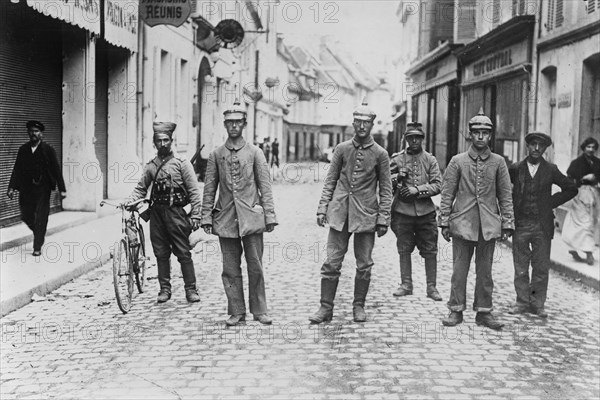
column 83, row 13
column 121, row 23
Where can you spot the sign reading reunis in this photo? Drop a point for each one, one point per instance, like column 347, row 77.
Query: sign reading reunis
column 166, row 12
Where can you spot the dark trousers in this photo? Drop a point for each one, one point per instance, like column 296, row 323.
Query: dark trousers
column 462, row 252
column 337, row 246
column 419, row 231
column 34, row 203
column 531, row 245
column 232, row 249
column 170, row 229
column 275, row 159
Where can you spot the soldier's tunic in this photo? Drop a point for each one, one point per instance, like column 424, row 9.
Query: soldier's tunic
column 175, row 186
column 239, row 217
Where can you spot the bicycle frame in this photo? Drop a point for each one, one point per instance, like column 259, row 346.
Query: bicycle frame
column 129, row 249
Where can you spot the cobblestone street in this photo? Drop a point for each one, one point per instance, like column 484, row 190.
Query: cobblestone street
column 76, row 344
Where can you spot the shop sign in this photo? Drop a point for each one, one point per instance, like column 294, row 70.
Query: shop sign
column 564, row 100
column 437, row 74
column 165, row 12
column 120, row 23
column 497, row 62
column 82, row 13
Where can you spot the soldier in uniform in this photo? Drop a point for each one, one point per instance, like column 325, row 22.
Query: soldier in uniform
column 35, row 174
column 174, row 185
column 476, row 209
column 413, row 211
column 243, row 211
column 349, row 203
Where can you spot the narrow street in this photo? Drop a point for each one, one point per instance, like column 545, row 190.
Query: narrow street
column 78, row 345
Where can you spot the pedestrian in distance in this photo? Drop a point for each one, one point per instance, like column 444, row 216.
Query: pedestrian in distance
column 476, row 209
column 533, row 202
column 356, row 200
column 243, row 211
column 36, row 173
column 275, row 153
column 266, row 148
column 173, row 185
column 413, row 211
column 581, row 226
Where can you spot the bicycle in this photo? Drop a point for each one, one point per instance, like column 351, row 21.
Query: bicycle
column 129, row 255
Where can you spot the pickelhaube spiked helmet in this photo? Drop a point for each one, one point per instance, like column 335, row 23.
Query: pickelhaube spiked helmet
column 237, row 111
column 413, row 129
column 364, row 112
column 480, row 121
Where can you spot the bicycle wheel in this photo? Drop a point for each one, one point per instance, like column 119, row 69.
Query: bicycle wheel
column 140, row 271
column 122, row 276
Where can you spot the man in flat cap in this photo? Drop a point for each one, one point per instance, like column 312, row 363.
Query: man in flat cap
column 35, row 174
column 244, row 210
column 356, row 199
column 413, row 211
column 476, row 210
column 533, row 200
column 173, row 185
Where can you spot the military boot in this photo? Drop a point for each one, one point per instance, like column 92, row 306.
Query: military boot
column 325, row 312
column 406, row 288
column 431, row 273
column 361, row 288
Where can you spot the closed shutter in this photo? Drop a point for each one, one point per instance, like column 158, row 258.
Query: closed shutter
column 466, row 25
column 31, row 82
column 550, row 16
column 560, row 17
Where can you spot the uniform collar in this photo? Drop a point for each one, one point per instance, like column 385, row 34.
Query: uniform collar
column 157, row 160
column 232, row 147
column 366, row 145
column 474, row 154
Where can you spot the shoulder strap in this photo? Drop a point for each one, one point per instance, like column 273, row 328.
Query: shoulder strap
column 157, row 171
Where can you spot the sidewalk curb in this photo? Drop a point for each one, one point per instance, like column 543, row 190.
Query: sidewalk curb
column 24, row 298
column 570, row 272
column 20, row 241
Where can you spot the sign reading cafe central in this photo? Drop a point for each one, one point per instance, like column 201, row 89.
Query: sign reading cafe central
column 167, row 12
column 497, row 62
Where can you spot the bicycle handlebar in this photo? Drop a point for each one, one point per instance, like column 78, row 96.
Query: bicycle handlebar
column 126, row 206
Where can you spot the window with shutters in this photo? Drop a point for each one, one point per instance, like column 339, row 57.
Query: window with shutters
column 465, row 28
column 591, row 5
column 519, row 7
column 555, row 16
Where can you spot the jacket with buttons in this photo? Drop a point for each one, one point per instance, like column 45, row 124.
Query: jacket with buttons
column 424, row 174
column 245, row 202
column 476, row 193
column 179, row 172
column 350, row 191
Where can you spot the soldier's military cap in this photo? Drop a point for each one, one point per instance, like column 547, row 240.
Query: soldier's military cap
column 480, row 121
column 545, row 139
column 414, row 129
column 364, row 112
column 237, row 111
column 35, row 124
column 164, row 127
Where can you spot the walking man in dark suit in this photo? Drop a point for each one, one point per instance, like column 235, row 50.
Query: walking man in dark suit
column 533, row 203
column 35, row 174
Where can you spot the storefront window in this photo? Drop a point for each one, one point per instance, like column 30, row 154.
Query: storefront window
column 509, row 149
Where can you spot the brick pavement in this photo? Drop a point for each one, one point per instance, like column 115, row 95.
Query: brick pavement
column 76, row 344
